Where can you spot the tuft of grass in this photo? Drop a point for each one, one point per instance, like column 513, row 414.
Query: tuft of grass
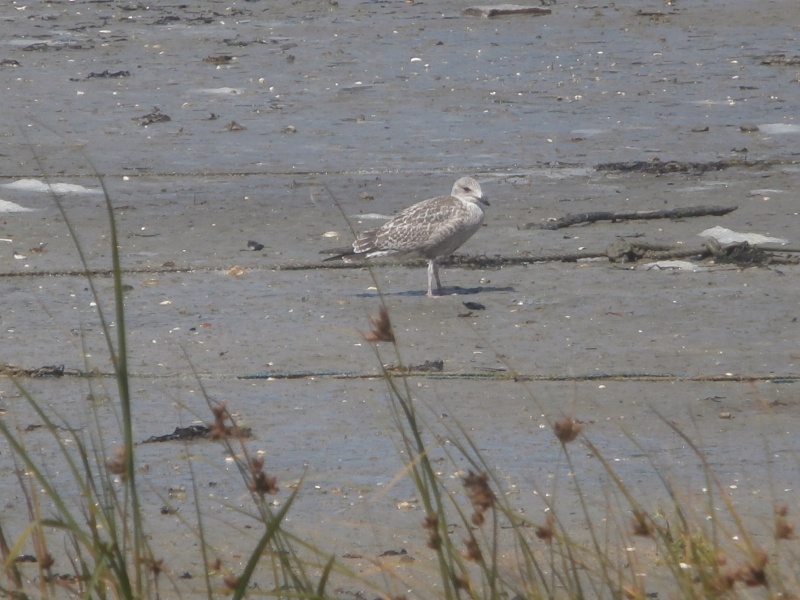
column 105, row 536
column 696, row 557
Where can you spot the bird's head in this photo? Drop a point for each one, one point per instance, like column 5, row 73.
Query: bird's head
column 468, row 189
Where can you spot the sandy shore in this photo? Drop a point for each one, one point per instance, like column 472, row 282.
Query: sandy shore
column 305, row 111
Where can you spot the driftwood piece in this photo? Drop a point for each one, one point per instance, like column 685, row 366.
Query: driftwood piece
column 674, row 213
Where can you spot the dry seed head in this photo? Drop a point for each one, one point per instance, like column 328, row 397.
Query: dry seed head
column 632, row 593
column 545, row 532
column 784, row 530
column 219, row 430
column 116, row 464
column 261, row 483
column 461, row 582
column 640, row 524
column 156, row 566
column 256, row 464
column 753, row 574
column 381, row 327
column 480, row 494
column 46, row 561
column 723, row 582
column 434, row 540
column 430, row 522
column 473, row 551
column 264, row 484
column 220, row 411
column 567, row 429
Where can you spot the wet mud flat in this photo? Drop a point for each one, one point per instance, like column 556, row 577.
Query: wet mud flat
column 332, row 123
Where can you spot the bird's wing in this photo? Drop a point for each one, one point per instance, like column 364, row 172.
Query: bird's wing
column 414, row 228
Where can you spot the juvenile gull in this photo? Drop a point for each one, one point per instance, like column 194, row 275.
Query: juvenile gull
column 430, row 229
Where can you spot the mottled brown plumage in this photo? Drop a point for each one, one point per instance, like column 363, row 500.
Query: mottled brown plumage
column 429, row 229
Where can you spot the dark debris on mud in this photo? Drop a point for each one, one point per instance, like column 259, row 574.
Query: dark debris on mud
column 156, row 116
column 744, row 254
column 108, row 74
column 193, row 432
column 45, row 371
column 780, row 60
column 741, row 254
column 429, row 366
column 505, row 10
column 104, row 75
column 664, row 167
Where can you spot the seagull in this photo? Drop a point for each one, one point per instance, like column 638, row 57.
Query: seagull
column 430, row 229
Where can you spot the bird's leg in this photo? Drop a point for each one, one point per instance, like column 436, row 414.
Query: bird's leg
column 436, row 275
column 433, row 273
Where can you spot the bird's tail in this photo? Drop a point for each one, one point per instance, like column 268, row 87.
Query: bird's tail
column 341, row 252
